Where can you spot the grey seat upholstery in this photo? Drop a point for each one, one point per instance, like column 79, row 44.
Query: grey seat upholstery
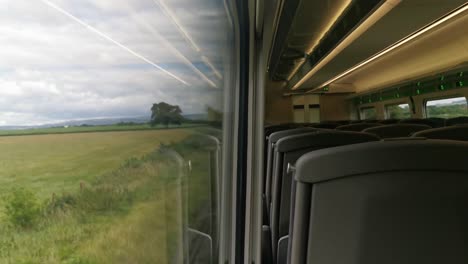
column 326, row 125
column 437, row 121
column 456, row 121
column 288, row 150
column 266, row 196
column 341, row 122
column 357, row 127
column 389, row 121
column 459, row 132
column 419, row 121
column 382, row 202
column 370, row 121
column 272, row 139
column 270, row 130
column 396, row 130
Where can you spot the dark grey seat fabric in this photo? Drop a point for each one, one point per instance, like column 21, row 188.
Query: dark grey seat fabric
column 341, row 122
column 266, row 196
column 272, row 129
column 325, row 125
column 267, row 132
column 459, row 132
column 382, row 202
column 370, row 121
column 418, row 121
column 396, row 130
column 357, row 127
column 272, row 139
column 437, row 121
column 456, row 121
column 286, row 151
column 389, row 121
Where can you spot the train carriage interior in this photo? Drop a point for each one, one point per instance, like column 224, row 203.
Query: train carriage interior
column 365, row 129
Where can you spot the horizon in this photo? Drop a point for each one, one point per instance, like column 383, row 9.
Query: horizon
column 116, row 118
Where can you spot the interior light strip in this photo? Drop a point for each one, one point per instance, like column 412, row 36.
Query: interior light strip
column 363, row 27
column 168, row 12
column 324, row 32
column 101, row 34
column 418, row 33
column 328, row 27
column 176, row 22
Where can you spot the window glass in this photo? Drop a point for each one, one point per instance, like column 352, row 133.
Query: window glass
column 447, row 108
column 111, row 129
column 398, row 111
column 368, row 113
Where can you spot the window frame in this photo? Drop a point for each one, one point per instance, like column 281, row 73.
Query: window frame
column 436, row 98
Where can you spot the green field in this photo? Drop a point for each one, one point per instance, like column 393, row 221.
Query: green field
column 87, row 129
column 103, row 196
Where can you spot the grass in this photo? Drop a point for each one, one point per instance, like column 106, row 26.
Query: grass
column 129, row 208
column 113, row 218
column 90, row 129
column 57, row 163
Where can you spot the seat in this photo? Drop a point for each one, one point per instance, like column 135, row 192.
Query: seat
column 459, row 132
column 389, row 121
column 271, row 141
column 370, row 121
column 286, row 151
column 266, row 196
column 357, row 127
column 456, row 121
column 341, row 122
column 396, row 130
column 270, row 130
column 418, row 121
column 325, row 125
column 437, row 121
column 382, row 202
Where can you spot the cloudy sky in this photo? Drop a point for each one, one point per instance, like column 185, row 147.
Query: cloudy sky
column 78, row 59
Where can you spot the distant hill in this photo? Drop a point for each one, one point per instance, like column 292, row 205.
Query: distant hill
column 103, row 121
column 100, row 122
column 82, row 122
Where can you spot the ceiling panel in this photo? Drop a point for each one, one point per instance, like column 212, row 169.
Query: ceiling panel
column 406, row 18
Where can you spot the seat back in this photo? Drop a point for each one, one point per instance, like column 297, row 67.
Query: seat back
column 419, row 121
column 389, row 121
column 437, row 121
column 357, row 127
column 396, row 130
column 325, row 125
column 287, row 150
column 456, row 121
column 267, row 132
column 382, row 202
column 272, row 139
column 459, row 132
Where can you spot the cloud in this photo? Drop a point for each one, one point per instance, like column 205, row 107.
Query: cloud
column 54, row 68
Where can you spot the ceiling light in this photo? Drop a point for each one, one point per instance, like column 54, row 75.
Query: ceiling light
column 418, row 33
column 363, row 27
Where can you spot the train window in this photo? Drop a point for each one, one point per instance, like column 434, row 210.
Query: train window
column 112, row 131
column 368, row 113
column 397, row 111
column 447, row 108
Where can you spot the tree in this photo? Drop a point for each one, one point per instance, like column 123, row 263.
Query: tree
column 164, row 113
column 213, row 114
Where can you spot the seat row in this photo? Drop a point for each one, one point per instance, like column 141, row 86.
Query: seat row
column 286, row 145
column 432, row 122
